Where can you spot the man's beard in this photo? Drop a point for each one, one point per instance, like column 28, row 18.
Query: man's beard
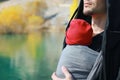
column 89, row 13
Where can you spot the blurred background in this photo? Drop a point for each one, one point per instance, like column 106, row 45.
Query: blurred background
column 31, row 37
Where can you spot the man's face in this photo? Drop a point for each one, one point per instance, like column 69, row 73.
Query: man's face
column 92, row 7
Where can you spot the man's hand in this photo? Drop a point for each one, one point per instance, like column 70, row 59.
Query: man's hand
column 68, row 76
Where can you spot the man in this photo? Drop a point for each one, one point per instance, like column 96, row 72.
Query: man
column 97, row 10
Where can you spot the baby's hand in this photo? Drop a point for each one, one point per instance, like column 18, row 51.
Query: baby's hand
column 68, row 76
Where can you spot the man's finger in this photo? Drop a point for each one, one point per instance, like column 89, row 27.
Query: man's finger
column 54, row 77
column 66, row 72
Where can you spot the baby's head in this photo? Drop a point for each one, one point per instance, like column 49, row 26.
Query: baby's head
column 79, row 33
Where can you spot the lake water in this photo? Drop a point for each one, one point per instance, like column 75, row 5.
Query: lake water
column 29, row 57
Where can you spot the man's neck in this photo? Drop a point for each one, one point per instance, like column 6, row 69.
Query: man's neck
column 98, row 23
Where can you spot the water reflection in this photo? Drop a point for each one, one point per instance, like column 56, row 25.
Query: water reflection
column 29, row 57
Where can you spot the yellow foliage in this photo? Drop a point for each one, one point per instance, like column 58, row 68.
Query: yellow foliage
column 35, row 20
column 36, row 7
column 15, row 18
column 11, row 15
column 12, row 18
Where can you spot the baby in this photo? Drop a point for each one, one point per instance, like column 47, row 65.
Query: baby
column 77, row 56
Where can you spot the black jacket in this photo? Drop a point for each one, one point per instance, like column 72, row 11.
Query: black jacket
column 111, row 42
column 111, row 39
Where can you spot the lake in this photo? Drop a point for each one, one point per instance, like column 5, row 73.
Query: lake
column 29, row 57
